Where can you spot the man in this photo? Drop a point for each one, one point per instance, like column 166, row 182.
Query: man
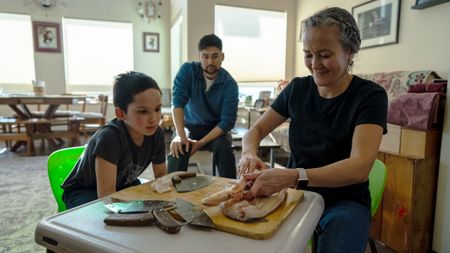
column 205, row 100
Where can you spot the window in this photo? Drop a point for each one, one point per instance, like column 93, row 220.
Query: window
column 95, row 52
column 16, row 50
column 254, row 43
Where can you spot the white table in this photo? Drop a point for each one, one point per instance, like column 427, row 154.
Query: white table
column 82, row 230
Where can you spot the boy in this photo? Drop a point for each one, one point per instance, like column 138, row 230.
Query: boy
column 121, row 150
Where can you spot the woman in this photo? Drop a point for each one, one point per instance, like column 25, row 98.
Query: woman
column 337, row 122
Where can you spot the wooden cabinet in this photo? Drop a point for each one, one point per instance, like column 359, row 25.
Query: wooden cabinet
column 404, row 221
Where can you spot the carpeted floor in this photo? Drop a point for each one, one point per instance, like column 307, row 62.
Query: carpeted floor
column 25, row 198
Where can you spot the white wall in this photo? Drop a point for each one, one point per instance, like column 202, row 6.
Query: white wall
column 200, row 21
column 423, row 42
column 50, row 66
column 441, row 243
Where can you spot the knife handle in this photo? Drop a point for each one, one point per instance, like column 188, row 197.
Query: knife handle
column 177, row 178
column 187, row 174
column 165, row 221
column 137, row 219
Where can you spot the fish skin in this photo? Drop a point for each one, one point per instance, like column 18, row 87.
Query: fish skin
column 246, row 211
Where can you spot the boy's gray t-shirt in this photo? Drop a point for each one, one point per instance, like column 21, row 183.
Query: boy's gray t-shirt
column 113, row 143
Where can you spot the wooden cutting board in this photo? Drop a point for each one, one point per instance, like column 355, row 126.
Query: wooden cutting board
column 257, row 230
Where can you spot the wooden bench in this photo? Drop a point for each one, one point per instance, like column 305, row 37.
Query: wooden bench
column 11, row 132
column 40, row 128
column 44, row 129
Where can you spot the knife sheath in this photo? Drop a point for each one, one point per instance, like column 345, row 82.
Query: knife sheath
column 165, row 221
column 135, row 219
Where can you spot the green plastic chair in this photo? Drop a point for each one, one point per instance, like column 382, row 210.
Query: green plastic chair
column 60, row 163
column 377, row 182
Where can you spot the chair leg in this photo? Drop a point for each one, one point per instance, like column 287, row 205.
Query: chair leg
column 213, row 167
column 373, row 247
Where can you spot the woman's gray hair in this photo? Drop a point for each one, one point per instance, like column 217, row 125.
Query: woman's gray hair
column 341, row 18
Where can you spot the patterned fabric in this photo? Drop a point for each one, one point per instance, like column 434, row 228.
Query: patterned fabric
column 398, row 82
column 395, row 83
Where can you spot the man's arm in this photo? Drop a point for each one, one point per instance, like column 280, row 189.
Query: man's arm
column 227, row 118
column 213, row 134
column 176, row 147
column 180, row 97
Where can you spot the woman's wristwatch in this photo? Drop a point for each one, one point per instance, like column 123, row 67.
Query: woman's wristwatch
column 302, row 180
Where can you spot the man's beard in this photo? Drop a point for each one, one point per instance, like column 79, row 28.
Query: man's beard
column 210, row 70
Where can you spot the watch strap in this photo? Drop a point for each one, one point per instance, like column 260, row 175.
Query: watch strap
column 302, row 181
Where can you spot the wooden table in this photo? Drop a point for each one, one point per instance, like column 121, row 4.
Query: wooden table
column 19, row 104
column 82, row 230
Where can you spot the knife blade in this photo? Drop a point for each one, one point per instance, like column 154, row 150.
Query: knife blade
column 193, row 183
column 192, row 214
column 137, row 206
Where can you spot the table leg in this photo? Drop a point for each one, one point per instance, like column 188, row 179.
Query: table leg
column 19, row 112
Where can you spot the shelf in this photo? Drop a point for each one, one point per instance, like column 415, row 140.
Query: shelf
column 427, row 4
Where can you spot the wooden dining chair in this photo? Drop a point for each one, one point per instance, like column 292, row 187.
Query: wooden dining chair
column 94, row 120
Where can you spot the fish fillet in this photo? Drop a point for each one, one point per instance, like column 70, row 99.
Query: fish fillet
column 225, row 194
column 246, row 211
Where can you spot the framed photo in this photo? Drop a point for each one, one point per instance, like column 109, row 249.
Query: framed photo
column 151, row 42
column 378, row 22
column 47, row 37
column 422, row 4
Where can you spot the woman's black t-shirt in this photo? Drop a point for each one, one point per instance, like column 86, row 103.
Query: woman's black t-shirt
column 321, row 129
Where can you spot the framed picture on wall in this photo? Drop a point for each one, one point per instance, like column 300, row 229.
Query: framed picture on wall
column 378, row 22
column 422, row 4
column 151, row 42
column 47, row 37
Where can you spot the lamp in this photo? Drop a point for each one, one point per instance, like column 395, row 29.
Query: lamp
column 45, row 4
column 148, row 10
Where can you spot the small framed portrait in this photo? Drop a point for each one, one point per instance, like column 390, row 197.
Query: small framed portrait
column 151, row 42
column 47, row 37
column 378, row 22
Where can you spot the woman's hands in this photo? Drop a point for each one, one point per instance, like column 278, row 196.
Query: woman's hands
column 250, row 162
column 268, row 182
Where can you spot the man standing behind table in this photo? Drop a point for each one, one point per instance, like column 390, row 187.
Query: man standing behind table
column 205, row 101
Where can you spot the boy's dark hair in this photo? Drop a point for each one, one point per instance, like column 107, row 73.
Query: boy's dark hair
column 128, row 84
column 210, row 40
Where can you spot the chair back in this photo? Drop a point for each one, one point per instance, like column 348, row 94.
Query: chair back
column 60, row 163
column 377, row 182
column 103, row 100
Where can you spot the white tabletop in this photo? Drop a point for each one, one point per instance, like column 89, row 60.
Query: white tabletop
column 82, row 230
